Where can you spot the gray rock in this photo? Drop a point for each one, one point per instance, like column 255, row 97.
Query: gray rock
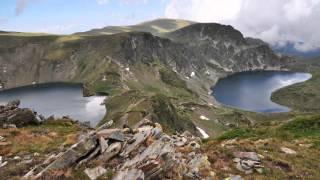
column 194, row 145
column 9, row 126
column 2, row 139
column 288, row 151
column 111, row 151
column 103, row 144
column 134, row 174
column 235, row 177
column 76, row 152
column 247, row 155
column 94, row 173
column 115, row 134
column 139, row 137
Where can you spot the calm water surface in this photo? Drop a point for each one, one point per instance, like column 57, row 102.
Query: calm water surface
column 252, row 90
column 58, row 99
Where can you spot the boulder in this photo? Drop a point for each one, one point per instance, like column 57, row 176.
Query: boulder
column 12, row 114
column 247, row 155
column 112, row 150
column 115, row 134
column 288, row 150
column 134, row 174
column 94, row 173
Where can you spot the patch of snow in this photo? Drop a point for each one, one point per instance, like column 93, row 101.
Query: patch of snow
column 127, row 69
column 192, row 74
column 202, row 117
column 203, row 133
column 104, row 78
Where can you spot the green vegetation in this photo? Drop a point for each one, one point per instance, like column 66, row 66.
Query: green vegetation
column 171, row 78
column 47, row 137
column 301, row 134
column 156, row 27
column 302, row 96
column 300, row 127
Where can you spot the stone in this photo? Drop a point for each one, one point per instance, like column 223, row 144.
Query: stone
column 111, row 151
column 14, row 103
column 3, row 164
column 202, row 117
column 135, row 174
column 157, row 132
column 105, row 125
column 234, row 177
column 305, row 145
column 115, row 134
column 288, row 150
column 194, row 145
column 103, row 145
column 199, row 162
column 236, row 160
column 139, row 137
column 9, row 126
column 247, row 155
column 23, row 117
column 74, row 153
column 5, row 143
column 259, row 170
column 94, row 173
column 17, row 158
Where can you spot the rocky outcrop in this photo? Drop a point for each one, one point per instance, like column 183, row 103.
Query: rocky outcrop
column 225, row 48
column 142, row 153
column 12, row 115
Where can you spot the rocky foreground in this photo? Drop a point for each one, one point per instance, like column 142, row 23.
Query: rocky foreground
column 13, row 116
column 66, row 149
column 144, row 152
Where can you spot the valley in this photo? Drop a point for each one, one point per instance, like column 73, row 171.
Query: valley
column 164, row 74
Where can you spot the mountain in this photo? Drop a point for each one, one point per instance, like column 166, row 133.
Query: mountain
column 156, row 27
column 289, row 49
column 159, row 105
column 138, row 69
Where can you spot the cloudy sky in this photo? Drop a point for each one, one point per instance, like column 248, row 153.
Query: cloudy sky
column 275, row 21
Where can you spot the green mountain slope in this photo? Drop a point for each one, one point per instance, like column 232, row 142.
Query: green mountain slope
column 156, row 27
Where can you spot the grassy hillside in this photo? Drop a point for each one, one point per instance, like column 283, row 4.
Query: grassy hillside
column 156, row 27
column 303, row 96
column 301, row 134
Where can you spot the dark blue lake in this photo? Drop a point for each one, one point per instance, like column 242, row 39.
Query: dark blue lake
column 252, row 91
column 58, row 99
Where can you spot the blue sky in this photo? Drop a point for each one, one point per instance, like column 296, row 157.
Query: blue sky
column 68, row 16
column 277, row 22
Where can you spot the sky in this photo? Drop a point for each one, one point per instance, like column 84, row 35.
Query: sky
column 277, row 22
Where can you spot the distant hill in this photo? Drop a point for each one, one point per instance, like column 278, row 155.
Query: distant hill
column 155, row 27
column 290, row 50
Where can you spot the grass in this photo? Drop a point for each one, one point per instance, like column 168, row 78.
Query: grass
column 43, row 138
column 299, row 127
column 301, row 134
column 302, row 96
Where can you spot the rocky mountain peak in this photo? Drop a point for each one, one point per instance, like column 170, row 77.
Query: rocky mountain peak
column 208, row 31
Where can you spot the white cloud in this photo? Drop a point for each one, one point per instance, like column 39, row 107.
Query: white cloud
column 275, row 21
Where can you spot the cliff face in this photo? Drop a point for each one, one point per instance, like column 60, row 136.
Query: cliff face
column 225, row 47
